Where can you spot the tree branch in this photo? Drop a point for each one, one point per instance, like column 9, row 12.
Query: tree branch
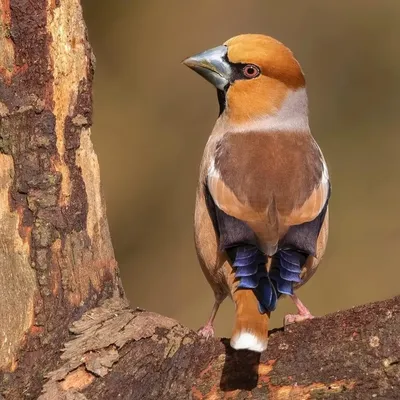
column 115, row 352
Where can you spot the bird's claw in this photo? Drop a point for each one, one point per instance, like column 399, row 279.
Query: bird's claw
column 207, row 331
column 295, row 318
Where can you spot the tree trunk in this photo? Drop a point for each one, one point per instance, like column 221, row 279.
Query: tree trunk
column 66, row 331
column 56, row 256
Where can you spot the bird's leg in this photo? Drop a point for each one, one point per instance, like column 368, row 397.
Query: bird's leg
column 207, row 330
column 303, row 312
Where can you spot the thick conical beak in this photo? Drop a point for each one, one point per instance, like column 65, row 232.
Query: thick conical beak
column 212, row 65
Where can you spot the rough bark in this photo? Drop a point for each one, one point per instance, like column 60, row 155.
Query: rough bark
column 59, row 283
column 115, row 352
column 56, row 256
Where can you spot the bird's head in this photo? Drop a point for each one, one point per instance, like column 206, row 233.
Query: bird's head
column 255, row 75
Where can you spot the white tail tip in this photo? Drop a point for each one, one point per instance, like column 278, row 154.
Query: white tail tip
column 248, row 341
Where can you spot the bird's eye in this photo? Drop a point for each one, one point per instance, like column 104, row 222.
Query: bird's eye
column 251, row 71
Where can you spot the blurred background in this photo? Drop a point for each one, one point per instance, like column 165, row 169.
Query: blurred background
column 153, row 117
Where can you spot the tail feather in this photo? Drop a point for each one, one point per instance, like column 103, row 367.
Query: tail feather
column 258, row 291
column 251, row 327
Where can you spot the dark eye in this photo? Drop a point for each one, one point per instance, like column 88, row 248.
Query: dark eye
column 251, row 71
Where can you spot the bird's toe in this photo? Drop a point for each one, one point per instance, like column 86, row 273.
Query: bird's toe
column 207, row 331
column 296, row 318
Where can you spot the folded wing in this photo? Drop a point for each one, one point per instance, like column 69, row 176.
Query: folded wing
column 270, row 181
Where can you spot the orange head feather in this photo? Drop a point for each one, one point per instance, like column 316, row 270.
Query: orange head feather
column 263, row 95
column 254, row 72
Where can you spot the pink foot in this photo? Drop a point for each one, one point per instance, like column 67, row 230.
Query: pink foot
column 303, row 313
column 294, row 318
column 207, row 331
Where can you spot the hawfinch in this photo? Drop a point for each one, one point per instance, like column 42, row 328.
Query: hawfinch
column 261, row 216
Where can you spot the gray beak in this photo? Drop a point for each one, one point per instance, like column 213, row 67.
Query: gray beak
column 212, row 65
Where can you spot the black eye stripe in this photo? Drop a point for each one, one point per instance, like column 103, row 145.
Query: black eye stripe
column 237, row 70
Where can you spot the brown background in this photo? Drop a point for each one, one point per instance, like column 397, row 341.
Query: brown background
column 153, row 117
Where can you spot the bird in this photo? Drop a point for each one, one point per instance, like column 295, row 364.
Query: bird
column 261, row 211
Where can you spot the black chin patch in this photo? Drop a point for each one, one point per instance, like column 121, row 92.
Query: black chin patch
column 221, row 94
